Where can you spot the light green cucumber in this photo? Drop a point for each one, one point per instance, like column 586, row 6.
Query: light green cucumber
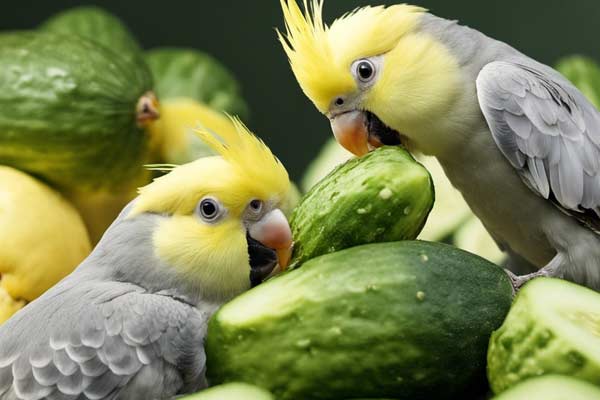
column 551, row 387
column 553, row 327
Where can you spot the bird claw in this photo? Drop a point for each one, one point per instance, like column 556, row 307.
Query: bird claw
column 551, row 270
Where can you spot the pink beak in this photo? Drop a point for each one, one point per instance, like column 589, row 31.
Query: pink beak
column 274, row 232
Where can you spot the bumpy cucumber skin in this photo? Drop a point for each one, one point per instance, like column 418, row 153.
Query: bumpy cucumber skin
column 403, row 320
column 68, row 110
column 525, row 345
column 384, row 196
column 180, row 72
column 95, row 24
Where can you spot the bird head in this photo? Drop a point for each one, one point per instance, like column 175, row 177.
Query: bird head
column 371, row 72
column 220, row 222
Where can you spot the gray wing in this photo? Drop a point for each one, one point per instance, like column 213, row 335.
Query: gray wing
column 101, row 341
column 548, row 131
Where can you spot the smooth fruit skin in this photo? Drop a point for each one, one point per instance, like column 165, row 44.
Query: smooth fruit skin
column 42, row 239
column 188, row 73
column 402, row 320
column 383, row 196
column 552, row 328
column 68, row 110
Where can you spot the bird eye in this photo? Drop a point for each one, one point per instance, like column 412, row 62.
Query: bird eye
column 365, row 70
column 256, row 206
column 209, row 209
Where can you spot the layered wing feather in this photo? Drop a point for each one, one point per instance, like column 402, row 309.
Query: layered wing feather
column 101, row 341
column 548, row 131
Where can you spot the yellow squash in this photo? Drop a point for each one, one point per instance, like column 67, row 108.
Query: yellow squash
column 43, row 239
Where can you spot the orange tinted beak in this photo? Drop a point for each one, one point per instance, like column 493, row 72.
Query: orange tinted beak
column 350, row 130
column 274, row 232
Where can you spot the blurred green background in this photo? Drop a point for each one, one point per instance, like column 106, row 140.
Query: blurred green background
column 241, row 35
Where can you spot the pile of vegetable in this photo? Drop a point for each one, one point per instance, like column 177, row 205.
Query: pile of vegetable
column 365, row 311
column 79, row 120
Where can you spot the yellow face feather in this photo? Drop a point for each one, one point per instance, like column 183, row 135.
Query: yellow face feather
column 321, row 56
column 214, row 256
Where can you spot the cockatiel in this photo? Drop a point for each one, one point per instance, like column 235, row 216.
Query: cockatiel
column 129, row 322
column 518, row 140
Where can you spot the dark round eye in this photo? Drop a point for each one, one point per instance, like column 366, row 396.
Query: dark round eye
column 209, row 209
column 365, row 70
column 256, row 206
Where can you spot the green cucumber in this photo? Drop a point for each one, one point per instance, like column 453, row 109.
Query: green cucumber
column 403, row 320
column 94, row 23
column 551, row 387
column 382, row 197
column 231, row 391
column 180, row 72
column 553, row 327
column 69, row 110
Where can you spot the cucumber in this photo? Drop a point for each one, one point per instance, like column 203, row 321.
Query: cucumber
column 383, row 196
column 96, row 24
column 232, row 391
column 584, row 73
column 552, row 328
column 69, row 110
column 42, row 239
column 181, row 72
column 403, row 320
column 551, row 387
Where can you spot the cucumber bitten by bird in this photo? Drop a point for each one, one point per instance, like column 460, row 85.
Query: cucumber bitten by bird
column 130, row 321
column 519, row 140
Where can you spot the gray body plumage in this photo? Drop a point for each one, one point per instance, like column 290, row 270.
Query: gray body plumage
column 522, row 144
column 108, row 331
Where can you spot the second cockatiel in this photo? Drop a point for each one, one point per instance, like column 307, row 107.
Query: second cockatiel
column 130, row 321
column 519, row 141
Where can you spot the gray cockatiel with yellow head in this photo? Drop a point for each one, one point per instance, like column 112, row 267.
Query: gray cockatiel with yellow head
column 518, row 140
column 130, row 321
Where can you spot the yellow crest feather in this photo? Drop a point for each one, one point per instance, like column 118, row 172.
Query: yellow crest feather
column 245, row 168
column 321, row 56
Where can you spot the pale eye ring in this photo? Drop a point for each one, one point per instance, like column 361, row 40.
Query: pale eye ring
column 256, row 206
column 365, row 70
column 209, row 209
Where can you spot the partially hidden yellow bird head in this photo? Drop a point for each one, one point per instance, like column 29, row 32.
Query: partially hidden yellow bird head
column 223, row 227
column 372, row 71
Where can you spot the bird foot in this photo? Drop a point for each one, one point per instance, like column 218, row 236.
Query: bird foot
column 550, row 270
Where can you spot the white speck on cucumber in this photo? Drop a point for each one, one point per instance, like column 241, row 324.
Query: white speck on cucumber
column 385, row 193
column 406, row 210
column 361, row 211
column 336, row 330
column 420, row 295
column 54, row 72
column 424, row 258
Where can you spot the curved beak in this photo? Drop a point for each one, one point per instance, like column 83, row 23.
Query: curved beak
column 273, row 231
column 350, row 130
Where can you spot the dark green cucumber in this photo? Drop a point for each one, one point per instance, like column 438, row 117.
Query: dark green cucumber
column 382, row 197
column 553, row 327
column 180, row 72
column 69, row 110
column 96, row 24
column 402, row 320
